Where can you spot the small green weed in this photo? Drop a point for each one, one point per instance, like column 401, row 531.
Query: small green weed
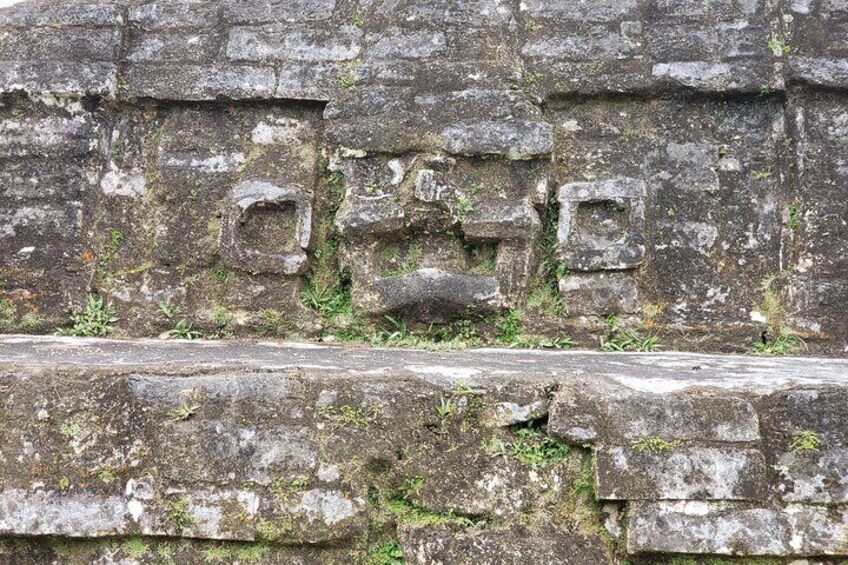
column 216, row 553
column 395, row 334
column 532, row 78
column 793, row 222
column 779, row 46
column 463, row 208
column 532, row 446
column 94, row 320
column 182, row 328
column 806, row 441
column 619, row 339
column 348, row 80
column 784, row 344
column 446, row 409
column 508, row 327
column 187, row 409
column 654, row 445
column 386, row 553
column 134, row 548
column 408, row 513
column 343, row 415
column 177, row 511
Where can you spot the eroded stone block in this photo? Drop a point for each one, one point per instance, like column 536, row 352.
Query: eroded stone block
column 267, row 228
column 681, row 473
column 735, row 529
column 50, row 154
column 727, row 158
column 473, row 121
column 602, row 224
column 468, row 240
column 817, row 48
column 509, row 546
column 600, row 293
column 606, row 413
column 199, row 82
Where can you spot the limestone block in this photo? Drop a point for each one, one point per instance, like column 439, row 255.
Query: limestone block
column 472, row 121
column 601, row 293
column 258, row 11
column 735, row 529
column 468, row 242
column 731, row 154
column 256, row 231
column 63, row 14
column 603, row 51
column 62, row 78
column 295, row 43
column 681, row 473
column 513, row 139
column 172, row 46
column 602, row 224
column 590, row 412
column 817, row 49
column 199, row 82
column 173, row 14
column 507, row 546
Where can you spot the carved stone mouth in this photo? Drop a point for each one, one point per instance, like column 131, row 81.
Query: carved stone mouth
column 436, row 294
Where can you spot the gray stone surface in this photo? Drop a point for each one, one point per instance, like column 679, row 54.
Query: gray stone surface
column 501, row 546
column 447, row 453
column 681, row 473
column 734, row 529
column 698, row 211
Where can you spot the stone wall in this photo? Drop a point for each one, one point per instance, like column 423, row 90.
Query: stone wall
column 307, row 167
column 152, row 452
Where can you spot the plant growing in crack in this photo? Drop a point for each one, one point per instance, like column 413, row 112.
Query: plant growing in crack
column 654, row 445
column 94, row 320
column 187, row 409
column 182, row 328
column 805, row 441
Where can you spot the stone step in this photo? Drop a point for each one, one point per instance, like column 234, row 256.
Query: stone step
column 486, row 454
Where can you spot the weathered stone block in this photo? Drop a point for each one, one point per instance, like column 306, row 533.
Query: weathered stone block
column 735, row 529
column 731, row 154
column 600, row 294
column 258, row 11
column 173, row 14
column 513, row 139
column 62, row 14
column 681, row 473
column 621, row 414
column 199, row 82
column 816, row 477
column 189, row 46
column 503, row 546
column 58, row 44
column 311, row 81
column 258, row 234
column 816, row 45
column 440, row 202
column 603, row 50
column 62, row 78
column 602, row 224
column 398, row 120
column 820, row 125
column 300, row 43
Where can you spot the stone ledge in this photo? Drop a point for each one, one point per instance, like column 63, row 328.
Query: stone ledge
column 294, row 443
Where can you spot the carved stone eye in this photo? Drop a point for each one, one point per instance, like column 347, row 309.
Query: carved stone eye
column 267, row 228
